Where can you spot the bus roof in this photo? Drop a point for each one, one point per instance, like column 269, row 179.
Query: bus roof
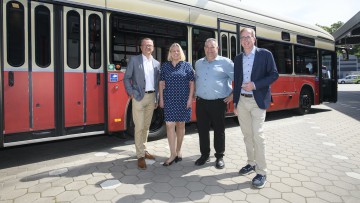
column 206, row 13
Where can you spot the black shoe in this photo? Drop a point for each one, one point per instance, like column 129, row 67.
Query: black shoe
column 202, row 160
column 259, row 181
column 247, row 170
column 169, row 163
column 220, row 163
column 177, row 159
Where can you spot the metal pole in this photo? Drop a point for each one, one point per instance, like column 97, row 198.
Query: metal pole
column 339, row 68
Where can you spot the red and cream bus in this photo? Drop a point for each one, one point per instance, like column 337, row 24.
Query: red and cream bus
column 63, row 61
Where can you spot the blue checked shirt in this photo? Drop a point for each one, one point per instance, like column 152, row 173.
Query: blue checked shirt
column 214, row 79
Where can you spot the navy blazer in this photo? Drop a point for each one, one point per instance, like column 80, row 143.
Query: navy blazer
column 264, row 72
column 134, row 78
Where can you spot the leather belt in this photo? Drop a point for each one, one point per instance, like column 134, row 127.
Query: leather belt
column 246, row 95
column 149, row 92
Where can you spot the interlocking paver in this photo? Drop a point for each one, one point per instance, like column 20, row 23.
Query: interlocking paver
column 301, row 168
column 67, row 196
column 29, row 197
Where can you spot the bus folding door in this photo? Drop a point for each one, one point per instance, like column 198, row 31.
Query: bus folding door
column 16, row 67
column 95, row 82
column 74, row 102
column 42, row 66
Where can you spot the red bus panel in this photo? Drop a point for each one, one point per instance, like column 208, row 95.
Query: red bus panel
column 94, row 98
column 16, row 102
column 43, row 100
column 74, row 99
column 117, row 102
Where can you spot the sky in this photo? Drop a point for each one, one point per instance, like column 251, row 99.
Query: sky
column 321, row 12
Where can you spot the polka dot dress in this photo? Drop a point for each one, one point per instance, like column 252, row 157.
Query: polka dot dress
column 176, row 92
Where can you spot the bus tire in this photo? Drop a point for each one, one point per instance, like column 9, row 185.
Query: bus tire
column 157, row 128
column 305, row 101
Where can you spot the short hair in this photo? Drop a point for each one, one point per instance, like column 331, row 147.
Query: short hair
column 252, row 31
column 145, row 38
column 182, row 55
column 211, row 40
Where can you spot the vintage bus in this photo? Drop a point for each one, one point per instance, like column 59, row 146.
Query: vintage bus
column 63, row 61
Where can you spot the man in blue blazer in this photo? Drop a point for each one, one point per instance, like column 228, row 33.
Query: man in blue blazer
column 141, row 81
column 254, row 71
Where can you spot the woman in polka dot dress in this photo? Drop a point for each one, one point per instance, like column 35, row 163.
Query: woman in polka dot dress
column 176, row 89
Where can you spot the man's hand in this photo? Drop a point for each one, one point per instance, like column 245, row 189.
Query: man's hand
column 248, row 86
column 235, row 111
column 228, row 99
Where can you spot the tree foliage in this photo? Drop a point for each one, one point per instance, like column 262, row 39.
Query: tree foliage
column 354, row 50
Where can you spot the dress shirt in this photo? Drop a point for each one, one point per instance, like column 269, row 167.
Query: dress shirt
column 248, row 61
column 214, row 78
column 149, row 73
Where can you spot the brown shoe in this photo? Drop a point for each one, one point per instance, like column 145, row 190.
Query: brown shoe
column 141, row 163
column 149, row 156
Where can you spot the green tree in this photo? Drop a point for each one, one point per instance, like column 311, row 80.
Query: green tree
column 332, row 28
column 355, row 50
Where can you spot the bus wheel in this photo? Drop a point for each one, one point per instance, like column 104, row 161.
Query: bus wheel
column 157, row 128
column 305, row 101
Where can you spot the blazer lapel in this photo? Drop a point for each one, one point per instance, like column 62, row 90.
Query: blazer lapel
column 255, row 64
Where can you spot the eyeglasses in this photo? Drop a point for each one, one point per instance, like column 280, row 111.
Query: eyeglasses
column 247, row 38
column 147, row 46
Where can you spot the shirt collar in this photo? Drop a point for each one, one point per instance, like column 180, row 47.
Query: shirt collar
column 216, row 58
column 145, row 58
column 252, row 51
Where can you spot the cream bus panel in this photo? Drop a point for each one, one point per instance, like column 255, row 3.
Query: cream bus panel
column 270, row 34
column 324, row 45
column 92, row 3
column 228, row 27
column 7, row 66
column 152, row 8
column 200, row 18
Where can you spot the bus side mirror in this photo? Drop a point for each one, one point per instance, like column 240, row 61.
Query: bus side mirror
column 345, row 54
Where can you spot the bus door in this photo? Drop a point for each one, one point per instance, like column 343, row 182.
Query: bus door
column 328, row 76
column 228, row 43
column 74, row 102
column 95, row 83
column 42, row 59
column 16, row 67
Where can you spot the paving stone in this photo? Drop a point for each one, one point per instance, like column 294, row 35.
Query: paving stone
column 67, row 196
column 52, row 192
column 29, row 197
column 222, row 199
column 39, row 187
column 45, row 200
column 292, row 197
column 13, row 194
column 199, row 196
column 270, row 193
column 106, row 195
column 89, row 190
column 163, row 197
column 329, row 197
column 214, row 190
column 179, row 192
column 255, row 198
column 161, row 187
column 337, row 190
column 76, row 185
column 305, row 192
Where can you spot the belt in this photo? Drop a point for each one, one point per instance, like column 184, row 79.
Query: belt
column 149, row 92
column 246, row 95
